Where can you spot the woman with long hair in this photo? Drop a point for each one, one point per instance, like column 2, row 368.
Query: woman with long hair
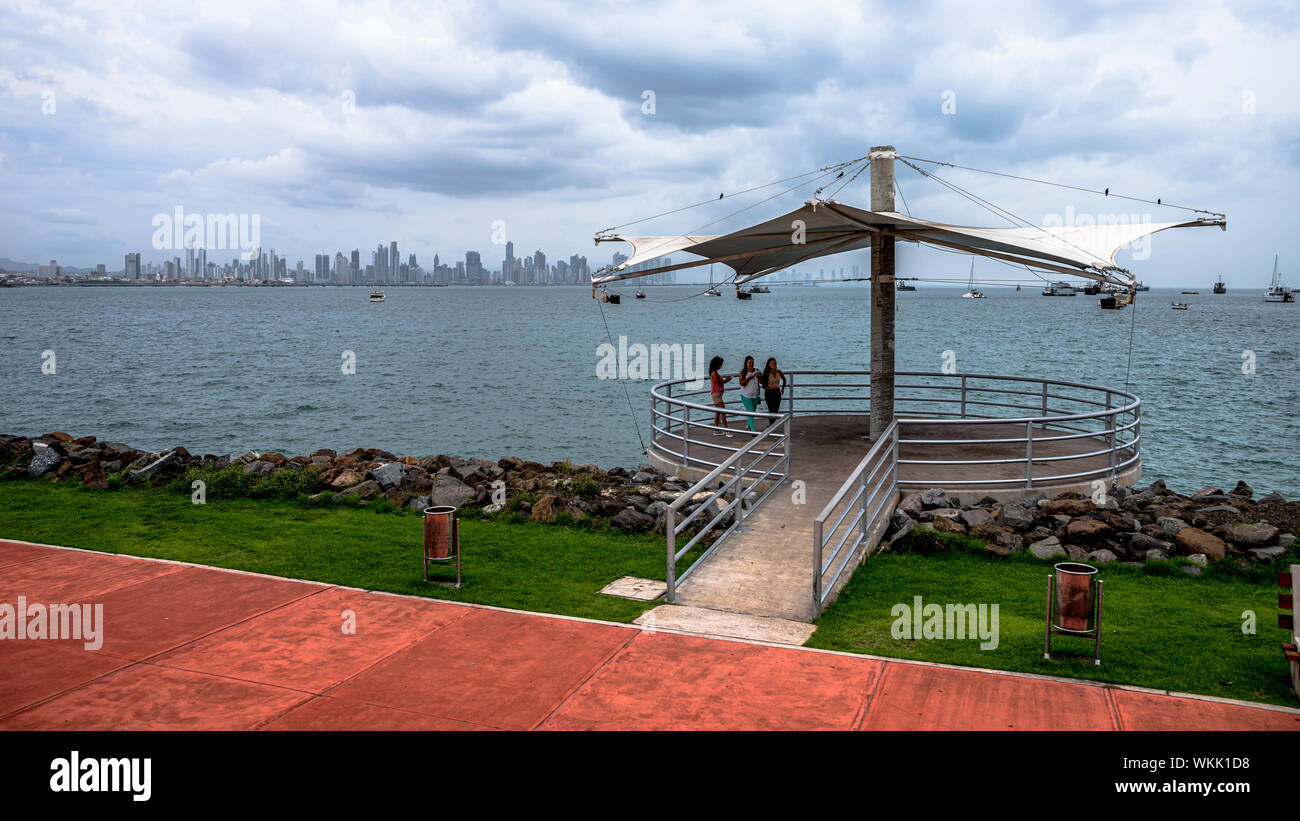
column 773, row 380
column 716, row 383
column 749, row 389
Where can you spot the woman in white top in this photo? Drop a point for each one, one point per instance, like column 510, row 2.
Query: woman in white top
column 749, row 386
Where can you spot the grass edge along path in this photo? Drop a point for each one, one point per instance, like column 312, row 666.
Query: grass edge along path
column 542, row 568
column 1161, row 628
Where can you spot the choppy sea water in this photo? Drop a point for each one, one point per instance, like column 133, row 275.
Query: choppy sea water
column 493, row 372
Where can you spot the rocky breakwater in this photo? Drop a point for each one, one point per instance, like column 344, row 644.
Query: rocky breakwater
column 628, row 500
column 1132, row 526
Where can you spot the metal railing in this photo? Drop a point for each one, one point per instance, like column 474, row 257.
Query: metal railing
column 740, row 473
column 876, row 481
column 1060, row 410
column 681, row 427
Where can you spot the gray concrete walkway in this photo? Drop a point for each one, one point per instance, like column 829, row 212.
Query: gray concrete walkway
column 764, row 569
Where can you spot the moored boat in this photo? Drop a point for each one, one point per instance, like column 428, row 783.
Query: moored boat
column 1276, row 292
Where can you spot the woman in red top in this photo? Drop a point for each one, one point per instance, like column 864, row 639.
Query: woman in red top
column 716, row 383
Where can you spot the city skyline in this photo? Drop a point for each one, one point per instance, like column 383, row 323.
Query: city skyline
column 450, row 127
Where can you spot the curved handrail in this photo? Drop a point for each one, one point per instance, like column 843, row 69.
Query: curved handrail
column 1119, row 425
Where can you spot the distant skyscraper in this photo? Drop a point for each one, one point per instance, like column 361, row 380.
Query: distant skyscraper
column 344, row 274
column 539, row 268
column 473, row 268
column 393, row 262
column 132, row 269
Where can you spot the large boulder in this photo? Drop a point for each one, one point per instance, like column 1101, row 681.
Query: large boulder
column 1141, row 544
column 389, row 475
column 45, row 460
column 974, row 517
column 1087, row 531
column 632, row 520
column 346, row 479
column 1047, row 548
column 1067, row 507
column 1171, row 526
column 368, row 489
column 163, row 464
column 1193, row 541
column 448, row 490
column 945, row 524
column 544, row 509
column 911, row 505
column 935, row 497
column 1016, row 517
column 260, row 467
column 1252, row 535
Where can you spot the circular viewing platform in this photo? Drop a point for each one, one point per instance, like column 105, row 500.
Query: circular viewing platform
column 974, row 435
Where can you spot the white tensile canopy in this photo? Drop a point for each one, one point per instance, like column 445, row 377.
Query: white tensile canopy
column 822, row 227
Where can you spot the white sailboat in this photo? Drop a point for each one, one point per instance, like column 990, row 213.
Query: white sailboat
column 712, row 291
column 1276, row 292
column 971, row 291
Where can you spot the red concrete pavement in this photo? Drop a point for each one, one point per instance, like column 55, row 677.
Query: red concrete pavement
column 200, row 648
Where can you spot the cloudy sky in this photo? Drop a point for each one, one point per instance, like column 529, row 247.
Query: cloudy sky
column 358, row 123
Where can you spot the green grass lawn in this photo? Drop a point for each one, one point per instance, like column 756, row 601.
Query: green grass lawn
column 543, row 568
column 1161, row 628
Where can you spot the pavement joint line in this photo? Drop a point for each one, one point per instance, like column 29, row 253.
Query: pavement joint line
column 230, row 626
column 462, row 617
column 617, row 651
column 1114, row 709
column 73, row 688
column 888, row 659
column 869, row 699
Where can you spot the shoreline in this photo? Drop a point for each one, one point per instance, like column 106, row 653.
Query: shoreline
column 1132, row 526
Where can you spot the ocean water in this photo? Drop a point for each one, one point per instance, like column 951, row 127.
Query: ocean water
column 493, row 372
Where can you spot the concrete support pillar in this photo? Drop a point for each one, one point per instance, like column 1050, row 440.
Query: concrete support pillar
column 882, row 295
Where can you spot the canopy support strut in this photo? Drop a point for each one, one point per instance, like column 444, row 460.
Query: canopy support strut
column 882, row 294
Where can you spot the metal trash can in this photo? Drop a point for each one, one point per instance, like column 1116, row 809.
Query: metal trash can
column 1074, row 605
column 1075, row 609
column 441, row 538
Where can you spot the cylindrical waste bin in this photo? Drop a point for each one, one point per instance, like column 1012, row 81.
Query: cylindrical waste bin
column 441, row 533
column 1075, row 599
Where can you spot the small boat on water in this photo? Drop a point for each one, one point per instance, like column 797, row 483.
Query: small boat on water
column 759, row 289
column 640, row 294
column 1059, row 289
column 376, row 295
column 1114, row 298
column 741, row 293
column 1141, row 287
column 712, row 291
column 1276, row 292
column 1180, row 306
column 971, row 291
column 1219, row 287
column 606, row 296
column 1191, row 292
column 903, row 286
column 1092, row 289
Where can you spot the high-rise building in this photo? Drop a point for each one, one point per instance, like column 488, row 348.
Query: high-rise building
column 473, row 268
column 539, row 268
column 132, row 269
column 393, row 263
